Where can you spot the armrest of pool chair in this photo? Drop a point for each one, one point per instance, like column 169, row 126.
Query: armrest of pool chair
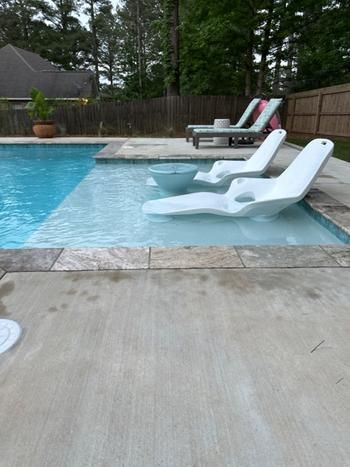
column 231, row 134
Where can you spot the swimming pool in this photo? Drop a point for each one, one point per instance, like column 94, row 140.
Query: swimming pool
column 35, row 179
column 56, row 196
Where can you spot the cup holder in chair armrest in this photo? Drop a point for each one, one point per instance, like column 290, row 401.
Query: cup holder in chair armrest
column 247, row 197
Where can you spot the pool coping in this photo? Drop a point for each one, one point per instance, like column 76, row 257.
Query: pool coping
column 328, row 211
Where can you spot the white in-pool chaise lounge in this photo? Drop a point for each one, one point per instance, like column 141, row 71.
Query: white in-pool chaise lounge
column 254, row 131
column 223, row 172
column 258, row 198
column 240, row 124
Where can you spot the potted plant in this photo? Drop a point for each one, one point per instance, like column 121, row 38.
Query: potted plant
column 39, row 109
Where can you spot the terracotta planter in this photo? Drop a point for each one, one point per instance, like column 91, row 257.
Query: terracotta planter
column 44, row 128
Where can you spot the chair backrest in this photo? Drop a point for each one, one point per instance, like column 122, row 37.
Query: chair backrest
column 263, row 120
column 263, row 156
column 247, row 113
column 300, row 175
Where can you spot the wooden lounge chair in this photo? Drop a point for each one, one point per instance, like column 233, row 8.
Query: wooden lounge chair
column 240, row 124
column 254, row 131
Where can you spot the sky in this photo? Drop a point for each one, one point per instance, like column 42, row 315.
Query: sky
column 84, row 17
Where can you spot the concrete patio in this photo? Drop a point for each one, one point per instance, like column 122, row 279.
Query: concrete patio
column 201, row 357
column 192, row 368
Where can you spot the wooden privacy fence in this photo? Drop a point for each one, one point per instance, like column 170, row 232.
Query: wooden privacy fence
column 324, row 112
column 164, row 116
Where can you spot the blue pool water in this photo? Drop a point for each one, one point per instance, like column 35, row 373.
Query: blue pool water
column 34, row 181
column 55, row 196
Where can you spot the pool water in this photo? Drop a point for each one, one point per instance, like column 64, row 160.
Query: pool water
column 55, row 196
column 35, row 179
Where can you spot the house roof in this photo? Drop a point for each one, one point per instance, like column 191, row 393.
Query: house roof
column 21, row 70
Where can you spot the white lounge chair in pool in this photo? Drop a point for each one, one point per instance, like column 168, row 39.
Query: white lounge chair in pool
column 240, row 124
column 223, row 172
column 254, row 131
column 258, row 198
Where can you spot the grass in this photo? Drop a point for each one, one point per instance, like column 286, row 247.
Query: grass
column 341, row 150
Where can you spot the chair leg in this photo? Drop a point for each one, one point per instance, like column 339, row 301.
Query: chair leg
column 187, row 137
column 197, row 141
column 230, row 141
column 193, row 140
column 236, row 141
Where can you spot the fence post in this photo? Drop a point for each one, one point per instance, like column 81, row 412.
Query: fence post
column 168, row 102
column 293, row 114
column 318, row 112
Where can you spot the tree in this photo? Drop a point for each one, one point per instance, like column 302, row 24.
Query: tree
column 171, row 47
column 21, row 23
column 323, row 58
column 140, row 55
column 265, row 44
column 214, row 47
column 67, row 43
column 93, row 8
column 108, row 41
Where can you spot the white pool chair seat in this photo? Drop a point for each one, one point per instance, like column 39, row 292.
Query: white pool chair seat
column 253, row 197
column 223, row 172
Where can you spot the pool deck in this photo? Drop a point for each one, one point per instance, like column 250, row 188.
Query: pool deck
column 202, row 357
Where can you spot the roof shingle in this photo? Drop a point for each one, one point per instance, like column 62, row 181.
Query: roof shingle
column 21, row 70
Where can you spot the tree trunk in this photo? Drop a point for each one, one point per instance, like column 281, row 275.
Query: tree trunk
column 265, row 48
column 94, row 43
column 276, row 85
column 289, row 67
column 249, row 55
column 139, row 49
column 173, row 88
column 248, row 69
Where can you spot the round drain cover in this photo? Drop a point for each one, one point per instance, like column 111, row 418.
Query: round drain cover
column 10, row 332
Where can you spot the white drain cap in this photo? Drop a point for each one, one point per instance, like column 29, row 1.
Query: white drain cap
column 10, row 332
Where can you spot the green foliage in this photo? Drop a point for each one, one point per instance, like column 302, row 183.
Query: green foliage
column 212, row 48
column 140, row 49
column 66, row 40
column 225, row 47
column 39, row 108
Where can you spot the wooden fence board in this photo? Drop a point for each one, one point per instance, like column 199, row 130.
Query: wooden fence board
column 320, row 112
column 159, row 116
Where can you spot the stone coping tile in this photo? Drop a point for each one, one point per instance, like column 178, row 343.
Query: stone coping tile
column 194, row 257
column 338, row 215
column 330, row 209
column 285, row 256
column 340, row 253
column 317, row 197
column 93, row 259
column 31, row 259
column 109, row 151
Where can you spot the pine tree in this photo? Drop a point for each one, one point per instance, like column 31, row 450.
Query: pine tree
column 93, row 9
column 21, row 23
column 140, row 45
column 108, row 36
column 67, row 42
